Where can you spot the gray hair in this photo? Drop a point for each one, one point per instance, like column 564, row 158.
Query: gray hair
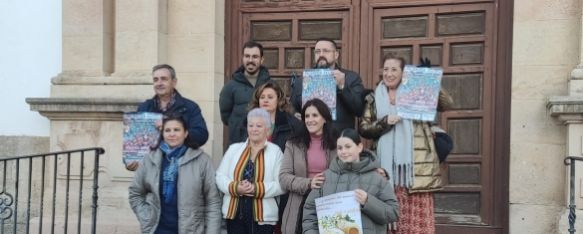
column 262, row 114
column 166, row 66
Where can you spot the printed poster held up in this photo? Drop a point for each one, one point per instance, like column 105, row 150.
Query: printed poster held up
column 139, row 134
column 418, row 93
column 320, row 83
column 339, row 213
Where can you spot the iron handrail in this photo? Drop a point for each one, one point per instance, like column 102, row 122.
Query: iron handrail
column 570, row 161
column 99, row 151
column 9, row 209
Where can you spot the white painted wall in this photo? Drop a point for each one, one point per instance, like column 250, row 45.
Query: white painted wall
column 30, row 55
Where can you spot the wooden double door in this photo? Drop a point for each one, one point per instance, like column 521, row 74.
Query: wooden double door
column 467, row 38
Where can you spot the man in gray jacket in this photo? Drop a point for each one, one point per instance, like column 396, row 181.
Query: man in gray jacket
column 349, row 88
column 237, row 93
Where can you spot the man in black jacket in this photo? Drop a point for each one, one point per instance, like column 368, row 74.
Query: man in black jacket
column 236, row 94
column 349, row 88
column 169, row 102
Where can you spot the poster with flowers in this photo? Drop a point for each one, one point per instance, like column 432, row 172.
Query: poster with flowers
column 418, row 93
column 339, row 213
column 139, row 134
column 320, row 83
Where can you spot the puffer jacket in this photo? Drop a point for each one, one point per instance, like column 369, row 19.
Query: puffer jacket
column 425, row 161
column 381, row 206
column 235, row 96
column 199, row 201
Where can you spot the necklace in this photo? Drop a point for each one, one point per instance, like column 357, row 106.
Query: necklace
column 392, row 97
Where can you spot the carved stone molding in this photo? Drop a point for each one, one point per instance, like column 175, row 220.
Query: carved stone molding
column 568, row 109
column 109, row 80
column 102, row 109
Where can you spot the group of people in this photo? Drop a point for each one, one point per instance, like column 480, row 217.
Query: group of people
column 278, row 163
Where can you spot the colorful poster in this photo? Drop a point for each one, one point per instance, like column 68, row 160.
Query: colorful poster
column 339, row 213
column 418, row 93
column 139, row 134
column 320, row 83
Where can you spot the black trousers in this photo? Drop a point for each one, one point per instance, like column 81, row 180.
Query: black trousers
column 244, row 223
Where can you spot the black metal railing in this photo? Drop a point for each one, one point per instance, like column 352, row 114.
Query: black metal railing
column 570, row 161
column 41, row 193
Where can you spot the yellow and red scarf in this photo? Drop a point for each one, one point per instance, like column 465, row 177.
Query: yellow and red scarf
column 257, row 181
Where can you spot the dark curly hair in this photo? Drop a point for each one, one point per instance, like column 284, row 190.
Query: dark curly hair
column 329, row 135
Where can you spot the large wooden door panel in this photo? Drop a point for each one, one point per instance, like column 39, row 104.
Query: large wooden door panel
column 459, row 40
column 289, row 38
column 461, row 36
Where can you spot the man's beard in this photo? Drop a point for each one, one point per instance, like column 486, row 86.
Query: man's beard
column 326, row 64
column 253, row 72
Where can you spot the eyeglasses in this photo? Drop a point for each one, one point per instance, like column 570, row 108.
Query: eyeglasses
column 324, row 51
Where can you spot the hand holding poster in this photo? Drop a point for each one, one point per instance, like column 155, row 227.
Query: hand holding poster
column 320, row 83
column 418, row 93
column 339, row 213
column 139, row 134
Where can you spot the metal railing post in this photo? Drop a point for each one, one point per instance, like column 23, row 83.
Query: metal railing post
column 570, row 161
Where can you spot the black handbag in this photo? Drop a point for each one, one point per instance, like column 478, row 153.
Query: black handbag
column 443, row 145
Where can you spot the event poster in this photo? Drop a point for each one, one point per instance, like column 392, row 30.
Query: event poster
column 339, row 213
column 418, row 93
column 320, row 83
column 140, row 134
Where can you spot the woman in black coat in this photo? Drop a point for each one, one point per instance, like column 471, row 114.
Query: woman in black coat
column 271, row 98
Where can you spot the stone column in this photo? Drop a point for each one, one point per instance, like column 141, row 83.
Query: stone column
column 140, row 37
column 569, row 109
column 87, row 38
column 89, row 54
column 196, row 50
column 98, row 40
column 576, row 81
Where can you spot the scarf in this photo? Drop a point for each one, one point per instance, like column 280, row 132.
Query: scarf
column 257, row 178
column 170, row 173
column 395, row 148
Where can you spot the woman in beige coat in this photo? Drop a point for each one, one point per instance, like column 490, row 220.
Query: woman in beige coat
column 307, row 154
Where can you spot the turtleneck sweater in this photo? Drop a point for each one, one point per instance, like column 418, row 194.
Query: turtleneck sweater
column 316, row 156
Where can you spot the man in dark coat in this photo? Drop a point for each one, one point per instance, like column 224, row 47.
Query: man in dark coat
column 169, row 102
column 349, row 88
column 237, row 93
